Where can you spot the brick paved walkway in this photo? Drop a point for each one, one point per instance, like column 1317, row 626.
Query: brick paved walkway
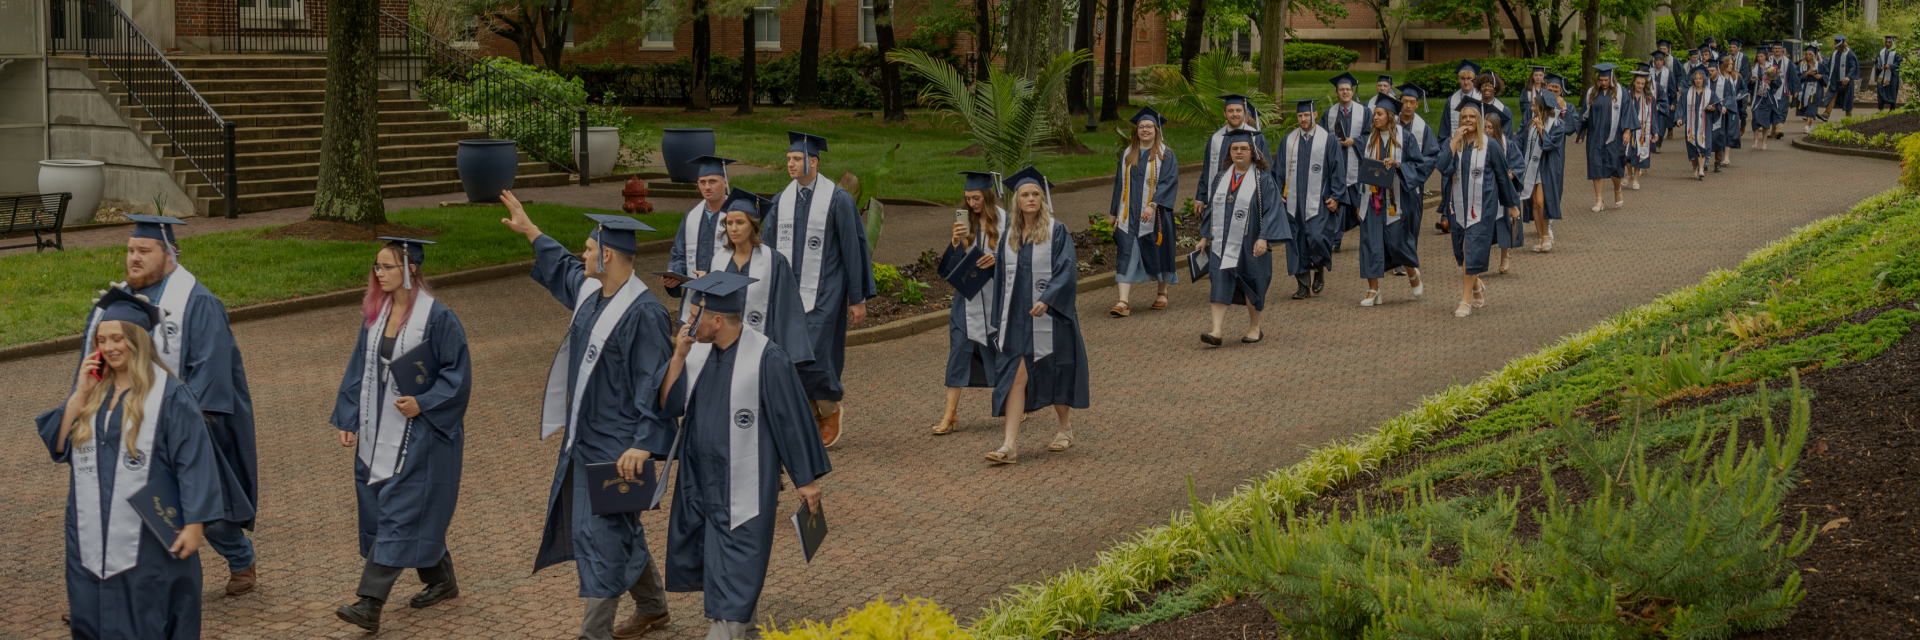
column 914, row 514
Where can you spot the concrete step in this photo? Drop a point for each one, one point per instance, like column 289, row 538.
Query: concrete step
column 308, row 156
column 250, row 147
column 238, row 85
column 188, row 176
column 215, row 206
column 246, row 133
column 218, row 99
column 184, row 62
column 129, row 109
column 309, row 119
column 200, row 74
column 250, row 186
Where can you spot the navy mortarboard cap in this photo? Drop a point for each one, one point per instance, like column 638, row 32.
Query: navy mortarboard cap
column 1546, row 99
column 1236, row 135
column 1147, row 113
column 414, row 251
column 1392, row 97
column 616, row 233
column 1554, row 78
column 1235, row 98
column 1664, row 43
column 1658, row 55
column 1889, row 36
column 1535, row 67
column 1605, row 69
column 1469, row 66
column 981, row 180
column 747, row 202
column 806, row 143
column 721, row 291
column 1031, row 175
column 1383, row 78
column 1344, row 78
column 1642, row 71
column 1734, row 42
column 710, row 166
column 156, row 228
column 1710, row 40
column 1468, row 101
column 1304, row 106
column 1839, row 37
column 1411, row 90
column 117, row 303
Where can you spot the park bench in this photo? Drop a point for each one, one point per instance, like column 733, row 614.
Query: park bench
column 39, row 213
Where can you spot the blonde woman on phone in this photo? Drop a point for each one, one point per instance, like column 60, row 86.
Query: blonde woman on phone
column 129, row 426
column 981, row 227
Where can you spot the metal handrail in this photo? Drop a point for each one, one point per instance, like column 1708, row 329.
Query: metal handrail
column 194, row 130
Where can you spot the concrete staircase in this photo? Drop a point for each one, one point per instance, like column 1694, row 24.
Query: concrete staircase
column 277, row 104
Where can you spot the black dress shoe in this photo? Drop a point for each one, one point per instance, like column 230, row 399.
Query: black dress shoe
column 1263, row 336
column 1402, row 271
column 1210, row 339
column 1306, row 287
column 435, row 594
column 1319, row 280
column 364, row 614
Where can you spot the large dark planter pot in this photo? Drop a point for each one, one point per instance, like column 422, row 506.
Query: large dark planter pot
column 678, row 146
column 486, row 168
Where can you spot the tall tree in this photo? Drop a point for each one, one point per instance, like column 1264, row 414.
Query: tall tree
column 893, row 108
column 1496, row 35
column 1080, row 81
column 1590, row 45
column 1033, row 41
column 1110, row 82
column 1196, row 28
column 349, row 183
column 982, row 39
column 1273, row 25
column 698, row 98
column 533, row 26
column 748, row 58
column 1126, row 53
column 807, row 93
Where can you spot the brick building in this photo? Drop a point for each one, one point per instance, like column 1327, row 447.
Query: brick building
column 1414, row 43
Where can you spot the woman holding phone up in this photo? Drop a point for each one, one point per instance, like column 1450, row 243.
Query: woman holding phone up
column 129, row 431
column 407, row 440
column 970, row 323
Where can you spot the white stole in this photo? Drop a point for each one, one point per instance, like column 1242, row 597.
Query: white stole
column 1125, row 174
column 1697, row 121
column 1042, row 274
column 1536, row 151
column 808, row 268
column 743, row 440
column 1468, row 185
column 1291, row 188
column 1357, row 120
column 1613, row 131
column 690, row 246
column 976, row 307
column 1217, row 147
column 1229, row 234
column 169, row 337
column 383, row 429
column 110, row 548
column 760, row 268
column 560, row 409
column 1643, row 135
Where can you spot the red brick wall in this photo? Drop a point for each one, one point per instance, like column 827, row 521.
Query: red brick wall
column 205, row 18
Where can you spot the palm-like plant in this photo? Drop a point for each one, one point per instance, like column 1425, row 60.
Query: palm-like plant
column 1198, row 100
column 1006, row 115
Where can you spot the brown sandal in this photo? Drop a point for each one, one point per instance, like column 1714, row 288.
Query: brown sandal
column 1002, row 456
column 945, row 426
column 1159, row 303
column 1061, row 441
column 1120, row 310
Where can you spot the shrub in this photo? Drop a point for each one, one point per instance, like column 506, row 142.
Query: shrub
column 914, row 619
column 536, row 109
column 1743, row 23
column 1309, row 56
column 1099, row 229
column 886, row 277
column 1440, row 82
column 1910, row 163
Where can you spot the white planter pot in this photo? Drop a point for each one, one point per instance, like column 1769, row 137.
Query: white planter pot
column 603, row 149
column 85, row 179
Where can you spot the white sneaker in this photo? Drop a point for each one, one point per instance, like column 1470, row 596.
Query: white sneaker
column 1373, row 298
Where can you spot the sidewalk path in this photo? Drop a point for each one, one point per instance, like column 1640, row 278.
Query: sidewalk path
column 914, row 514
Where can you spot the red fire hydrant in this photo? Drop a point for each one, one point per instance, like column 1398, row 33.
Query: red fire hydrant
column 636, row 194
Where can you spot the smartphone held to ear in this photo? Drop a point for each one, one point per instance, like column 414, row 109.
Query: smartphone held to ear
column 100, row 363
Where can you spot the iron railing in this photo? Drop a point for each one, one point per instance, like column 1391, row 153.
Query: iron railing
column 99, row 29
column 273, row 26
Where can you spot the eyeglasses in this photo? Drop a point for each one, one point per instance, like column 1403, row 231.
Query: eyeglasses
column 384, row 268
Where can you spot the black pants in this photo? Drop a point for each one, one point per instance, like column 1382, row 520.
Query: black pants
column 376, row 580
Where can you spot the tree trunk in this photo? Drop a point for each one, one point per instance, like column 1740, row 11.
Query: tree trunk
column 698, row 98
column 982, row 40
column 1033, row 40
column 893, row 108
column 1496, row 36
column 1273, row 49
column 1080, row 82
column 1684, row 24
column 1196, row 29
column 1640, row 38
column 747, row 60
column 807, row 94
column 1109, row 86
column 554, row 28
column 349, row 183
column 1526, row 46
column 1590, row 45
column 1126, row 54
column 1540, row 36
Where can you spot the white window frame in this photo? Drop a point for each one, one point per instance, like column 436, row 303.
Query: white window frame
column 766, row 14
column 260, row 16
column 869, row 36
column 651, row 41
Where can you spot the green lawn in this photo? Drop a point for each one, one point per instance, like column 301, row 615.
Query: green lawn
column 48, row 293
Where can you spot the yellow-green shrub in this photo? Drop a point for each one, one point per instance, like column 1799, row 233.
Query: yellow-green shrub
column 914, row 619
column 1910, row 163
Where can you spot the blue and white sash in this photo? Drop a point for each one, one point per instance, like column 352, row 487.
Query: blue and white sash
column 108, row 548
column 760, row 268
column 560, row 409
column 743, row 440
column 1227, row 234
column 383, row 429
column 1312, row 205
column 1042, row 274
column 807, row 268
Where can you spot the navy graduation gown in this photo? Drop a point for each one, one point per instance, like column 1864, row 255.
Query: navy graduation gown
column 1730, row 130
column 1812, row 91
column 1772, row 93
column 1606, row 155
column 677, row 259
column 1553, row 164
column 1843, row 65
column 1213, row 158
column 1388, row 244
column 703, row 553
column 1246, row 283
column 1156, row 248
column 786, row 323
column 1061, row 378
column 1471, row 244
column 1354, row 124
column 1889, row 89
column 160, row 596
column 846, row 279
column 617, row 413
column 1650, row 119
column 210, row 366
column 1312, row 244
column 969, row 363
column 404, row 519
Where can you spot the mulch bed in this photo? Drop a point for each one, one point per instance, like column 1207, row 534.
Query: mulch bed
column 1860, row 473
column 1896, row 123
column 346, row 231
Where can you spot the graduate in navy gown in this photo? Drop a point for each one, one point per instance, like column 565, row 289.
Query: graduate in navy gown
column 1811, row 94
column 1489, row 87
column 1698, row 115
column 1603, row 118
column 1141, row 213
column 1646, row 106
column 1843, row 73
column 818, row 229
column 1239, row 113
column 1536, row 84
column 196, row 344
column 1242, row 224
column 1538, row 159
column 1348, row 121
column 744, row 420
column 970, row 322
column 1042, row 359
column 1508, row 232
column 773, row 300
column 1663, row 80
column 601, row 397
column 1886, row 71
column 702, row 233
column 1731, row 89
column 1423, row 143
column 1466, row 75
column 1390, row 226
column 1772, row 93
column 118, row 435
column 1311, row 174
column 407, row 448
column 1480, row 194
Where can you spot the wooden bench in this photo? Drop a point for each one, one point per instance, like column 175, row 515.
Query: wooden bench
column 39, row 213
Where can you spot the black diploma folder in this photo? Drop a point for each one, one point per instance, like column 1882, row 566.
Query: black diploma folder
column 812, row 527
column 1197, row 264
column 683, row 277
column 611, row 494
column 1375, row 173
column 414, row 371
column 158, row 504
column 967, row 277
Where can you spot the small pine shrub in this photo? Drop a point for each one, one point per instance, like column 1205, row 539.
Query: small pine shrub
column 1846, row 343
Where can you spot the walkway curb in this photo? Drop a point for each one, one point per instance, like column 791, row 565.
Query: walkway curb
column 1802, row 143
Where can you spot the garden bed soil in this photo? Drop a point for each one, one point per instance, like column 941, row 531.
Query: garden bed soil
column 1892, row 124
column 346, row 231
column 1859, row 474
